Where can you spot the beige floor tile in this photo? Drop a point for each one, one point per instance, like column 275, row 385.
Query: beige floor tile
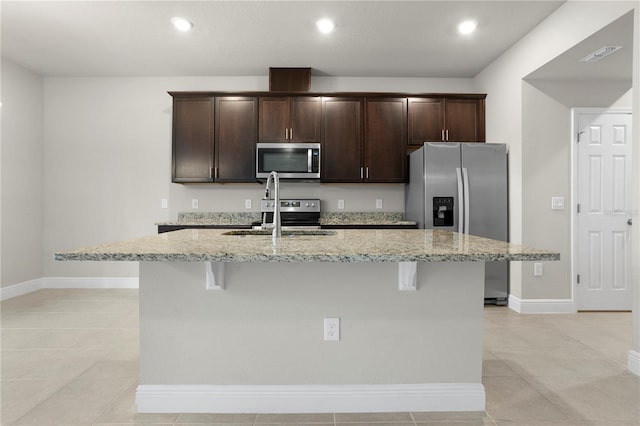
column 600, row 400
column 514, row 399
column 124, row 411
column 373, row 417
column 469, row 416
column 21, row 396
column 216, row 418
column 294, row 418
column 80, row 402
column 481, row 422
column 44, row 338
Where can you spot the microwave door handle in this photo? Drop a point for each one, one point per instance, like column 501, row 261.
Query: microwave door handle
column 309, row 160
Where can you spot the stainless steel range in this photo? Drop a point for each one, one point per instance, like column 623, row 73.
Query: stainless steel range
column 294, row 213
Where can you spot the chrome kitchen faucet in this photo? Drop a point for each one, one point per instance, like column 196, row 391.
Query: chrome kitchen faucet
column 277, row 231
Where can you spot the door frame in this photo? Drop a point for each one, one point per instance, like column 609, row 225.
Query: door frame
column 575, row 113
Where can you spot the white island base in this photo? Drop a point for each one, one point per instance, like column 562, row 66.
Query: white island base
column 257, row 346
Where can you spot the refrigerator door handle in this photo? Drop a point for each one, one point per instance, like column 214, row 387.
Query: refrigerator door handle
column 465, row 178
column 460, row 201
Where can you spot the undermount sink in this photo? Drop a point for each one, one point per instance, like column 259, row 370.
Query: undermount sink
column 285, row 232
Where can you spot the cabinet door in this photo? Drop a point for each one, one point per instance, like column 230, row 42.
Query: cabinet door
column 192, row 144
column 385, row 139
column 426, row 120
column 235, row 140
column 304, row 123
column 274, row 119
column 341, row 140
column 464, row 120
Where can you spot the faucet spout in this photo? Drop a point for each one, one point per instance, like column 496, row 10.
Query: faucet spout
column 277, row 231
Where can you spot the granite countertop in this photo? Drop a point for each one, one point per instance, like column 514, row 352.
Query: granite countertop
column 388, row 245
column 326, row 218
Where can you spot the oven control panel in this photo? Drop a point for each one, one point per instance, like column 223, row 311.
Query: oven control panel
column 292, row 205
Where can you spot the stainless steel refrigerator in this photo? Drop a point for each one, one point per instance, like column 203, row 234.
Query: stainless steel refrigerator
column 462, row 187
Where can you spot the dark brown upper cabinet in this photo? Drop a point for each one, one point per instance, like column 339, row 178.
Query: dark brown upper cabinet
column 289, row 119
column 342, row 142
column 385, row 140
column 235, row 139
column 446, row 119
column 214, row 139
column 193, row 133
column 363, row 140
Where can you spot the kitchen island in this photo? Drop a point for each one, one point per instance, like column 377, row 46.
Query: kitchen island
column 231, row 322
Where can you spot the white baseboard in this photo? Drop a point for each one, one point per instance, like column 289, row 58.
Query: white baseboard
column 541, row 306
column 66, row 282
column 21, row 288
column 310, row 398
column 633, row 362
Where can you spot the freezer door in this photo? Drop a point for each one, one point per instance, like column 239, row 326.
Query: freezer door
column 414, row 190
column 442, row 187
column 488, row 209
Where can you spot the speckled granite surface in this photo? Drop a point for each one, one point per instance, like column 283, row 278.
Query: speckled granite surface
column 326, row 218
column 389, row 245
column 215, row 218
column 363, row 218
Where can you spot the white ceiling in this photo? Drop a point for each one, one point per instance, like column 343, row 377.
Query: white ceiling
column 372, row 38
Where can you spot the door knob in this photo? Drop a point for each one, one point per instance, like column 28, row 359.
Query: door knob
column 630, row 222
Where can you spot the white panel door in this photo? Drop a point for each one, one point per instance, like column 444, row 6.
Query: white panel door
column 604, row 196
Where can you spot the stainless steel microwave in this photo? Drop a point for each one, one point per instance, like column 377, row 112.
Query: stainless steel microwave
column 291, row 160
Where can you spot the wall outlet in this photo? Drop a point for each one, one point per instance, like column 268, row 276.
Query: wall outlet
column 164, row 203
column 537, row 269
column 332, row 329
column 379, row 203
column 341, row 204
column 194, row 203
column 247, row 204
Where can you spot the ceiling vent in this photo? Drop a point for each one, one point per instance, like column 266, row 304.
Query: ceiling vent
column 600, row 53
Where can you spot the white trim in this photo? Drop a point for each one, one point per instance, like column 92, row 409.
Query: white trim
column 633, row 362
column 21, row 288
column 66, row 282
column 541, row 306
column 310, row 398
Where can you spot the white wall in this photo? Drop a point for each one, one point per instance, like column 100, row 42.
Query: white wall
column 21, row 168
column 505, row 109
column 108, row 155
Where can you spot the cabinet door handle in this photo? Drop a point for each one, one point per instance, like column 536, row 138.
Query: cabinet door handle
column 367, row 172
column 442, row 135
column 291, row 133
column 447, row 134
column 286, row 134
column 361, row 173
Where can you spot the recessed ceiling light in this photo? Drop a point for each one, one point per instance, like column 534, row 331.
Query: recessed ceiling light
column 467, row 27
column 325, row 26
column 182, row 24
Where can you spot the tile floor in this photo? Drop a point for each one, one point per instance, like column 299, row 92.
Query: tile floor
column 70, row 357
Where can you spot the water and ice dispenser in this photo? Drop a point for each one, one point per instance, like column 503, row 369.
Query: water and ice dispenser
column 442, row 211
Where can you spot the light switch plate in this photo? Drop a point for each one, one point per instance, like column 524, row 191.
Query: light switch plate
column 378, row 203
column 164, row 203
column 194, row 203
column 247, row 204
column 557, row 203
column 341, row 204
